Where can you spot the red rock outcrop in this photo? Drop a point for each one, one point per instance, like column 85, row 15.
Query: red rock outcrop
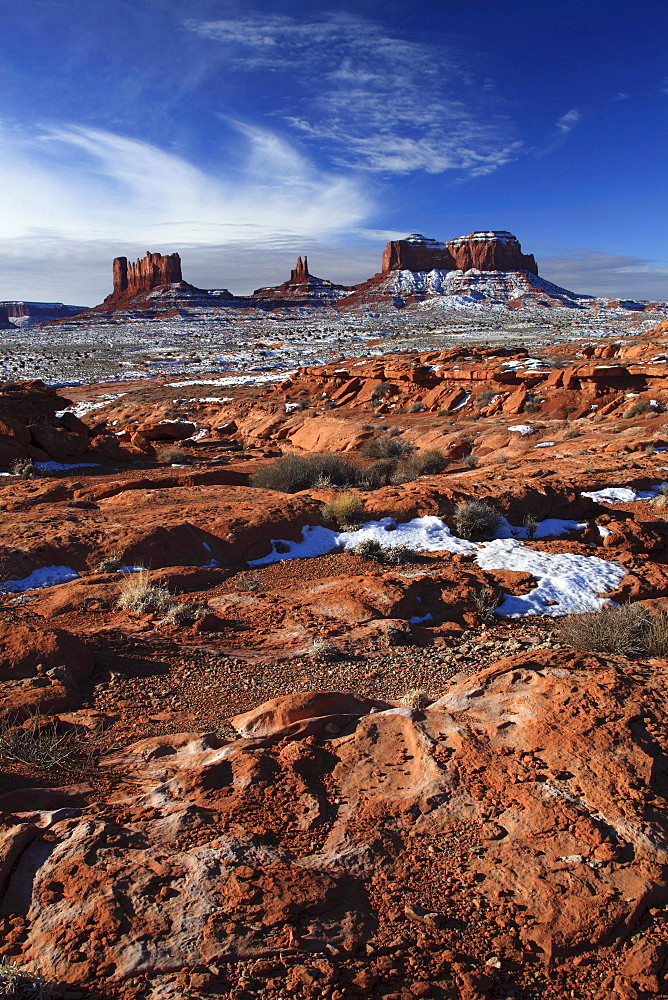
column 30, row 427
column 145, row 274
column 302, row 288
column 485, row 251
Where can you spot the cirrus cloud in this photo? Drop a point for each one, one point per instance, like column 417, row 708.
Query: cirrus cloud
column 374, row 101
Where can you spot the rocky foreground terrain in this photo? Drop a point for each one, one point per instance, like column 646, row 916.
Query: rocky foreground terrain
column 267, row 736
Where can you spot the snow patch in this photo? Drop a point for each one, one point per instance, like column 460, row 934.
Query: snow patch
column 46, row 576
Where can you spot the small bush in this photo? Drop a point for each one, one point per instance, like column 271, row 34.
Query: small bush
column 391, row 555
column 290, row 474
column 324, row 651
column 531, row 406
column 343, row 509
column 386, row 447
column 485, row 398
column 46, row 745
column 638, row 408
column 415, row 407
column 628, row 630
column 430, row 462
column 575, row 433
column 140, row 595
column 171, row 455
column 110, row 564
column 250, row 582
column 19, row 984
column 25, row 468
column 476, row 519
column 380, row 473
column 470, row 461
column 531, row 525
column 416, row 699
column 180, row 613
column 383, row 389
column 486, row 603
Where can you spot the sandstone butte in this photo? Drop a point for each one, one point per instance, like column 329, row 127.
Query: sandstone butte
column 329, row 777
column 484, row 267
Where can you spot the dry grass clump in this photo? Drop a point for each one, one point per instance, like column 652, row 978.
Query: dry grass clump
column 383, row 389
column 291, row 473
column 416, row 698
column 25, row 468
column 476, row 519
column 391, row 555
column 661, row 499
column 486, row 603
column 44, row 743
column 172, row 455
column 637, row 409
column 386, row 446
column 20, row 984
column 324, row 651
column 430, row 462
column 470, row 461
column 344, row 509
column 415, row 407
column 179, row 614
column 139, row 594
column 110, row 564
column 626, row 630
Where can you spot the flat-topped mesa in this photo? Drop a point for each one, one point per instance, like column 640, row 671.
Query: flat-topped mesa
column 485, row 251
column 147, row 273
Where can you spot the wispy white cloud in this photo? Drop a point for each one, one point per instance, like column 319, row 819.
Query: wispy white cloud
column 568, row 121
column 595, row 272
column 64, row 188
column 90, row 184
column 373, row 101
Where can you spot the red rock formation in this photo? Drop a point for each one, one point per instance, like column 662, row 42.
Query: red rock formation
column 485, row 251
column 149, row 272
column 300, row 272
column 302, row 288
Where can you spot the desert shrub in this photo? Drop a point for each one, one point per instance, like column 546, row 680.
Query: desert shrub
column 486, row 603
column 638, row 408
column 290, row 474
column 380, row 473
column 386, row 447
column 139, row 594
column 415, row 407
column 470, row 461
column 18, row 983
column 625, row 630
column 343, row 509
column 25, row 468
column 429, row 462
column 172, row 455
column 531, row 406
column 485, row 398
column 391, row 555
column 324, row 651
column 382, row 389
column 575, row 433
column 109, row 564
column 368, row 427
column 395, row 431
column 476, row 519
column 180, row 613
column 416, row 698
column 250, row 582
column 43, row 743
column 661, row 499
column 531, row 524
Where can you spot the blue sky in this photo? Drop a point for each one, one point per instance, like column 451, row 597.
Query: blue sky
column 244, row 135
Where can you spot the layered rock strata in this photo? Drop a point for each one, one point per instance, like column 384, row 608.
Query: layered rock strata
column 484, row 251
